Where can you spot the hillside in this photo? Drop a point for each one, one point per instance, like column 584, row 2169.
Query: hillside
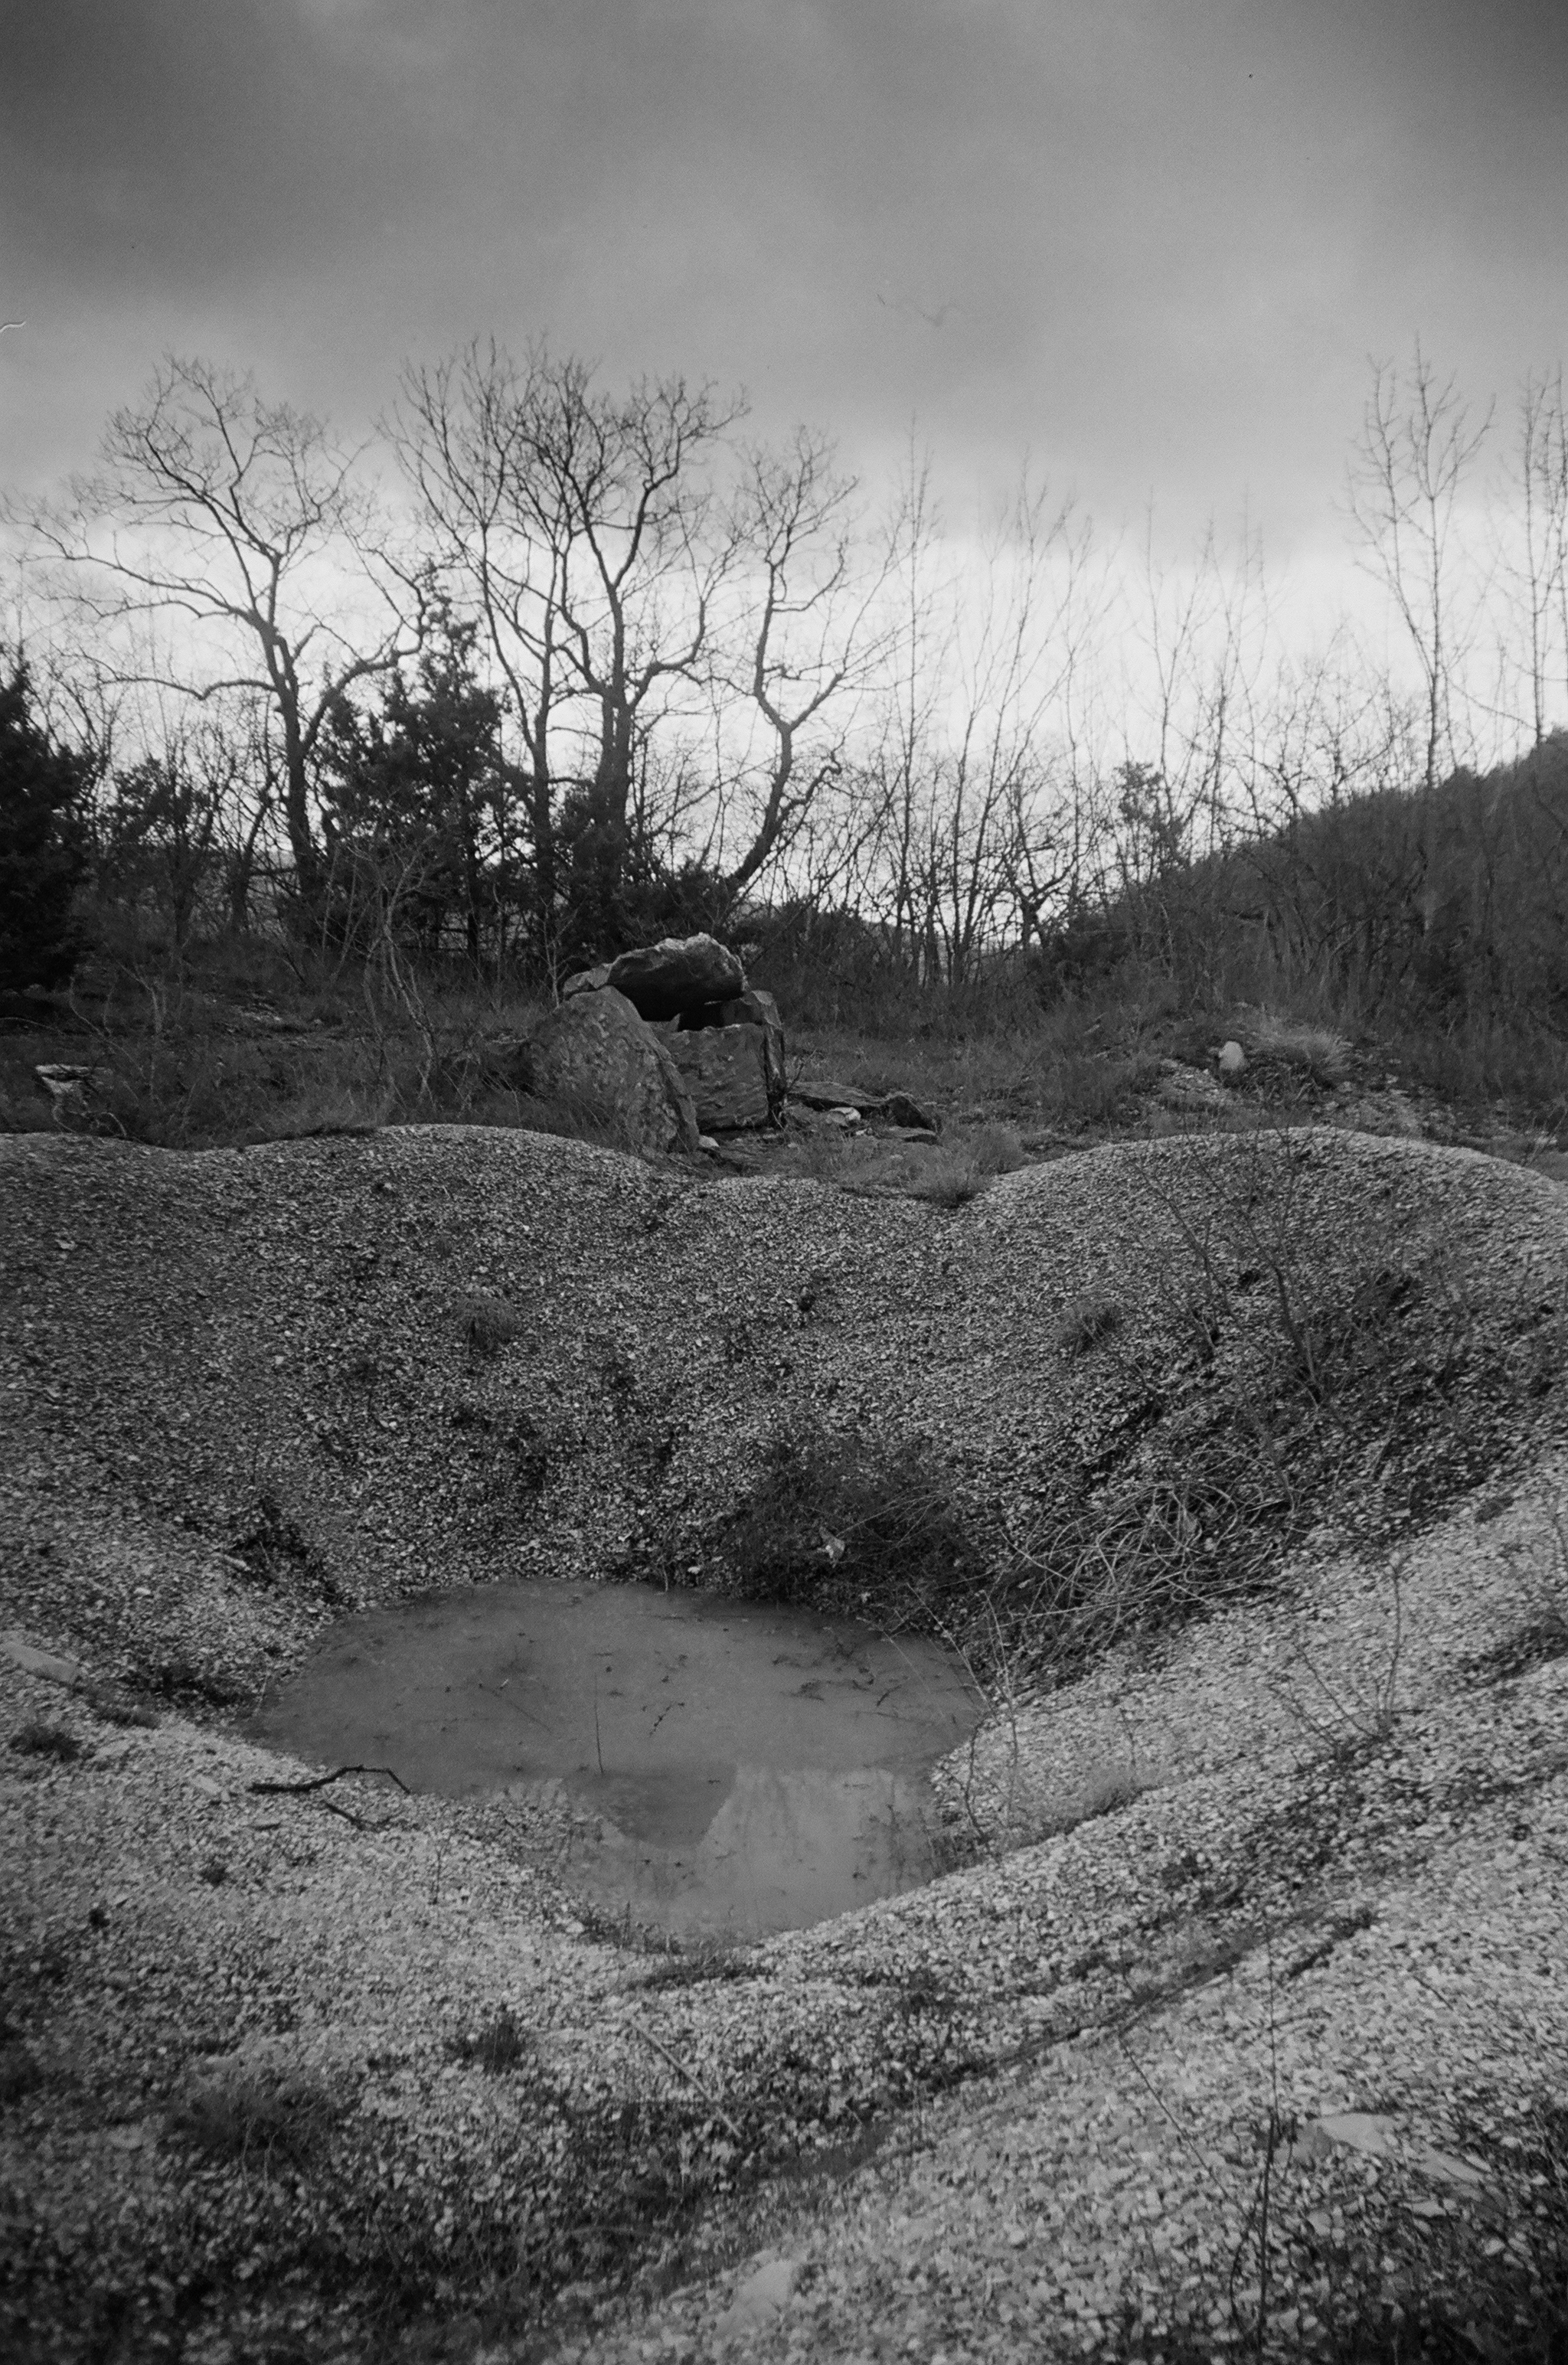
column 1235, row 1462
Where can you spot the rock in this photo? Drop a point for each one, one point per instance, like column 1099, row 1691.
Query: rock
column 587, row 981
column 760, row 2300
column 899, row 1109
column 677, row 973
column 725, row 1072
column 1191, row 1088
column 1370, row 2132
column 1232, row 1062
column 596, row 1053
column 46, row 1663
column 725, row 1037
column 755, row 1008
column 64, row 1087
column 837, row 1096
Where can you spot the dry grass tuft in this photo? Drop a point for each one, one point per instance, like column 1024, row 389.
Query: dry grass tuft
column 252, row 2119
column 1086, row 1321
column 950, row 1180
column 501, row 2045
column 488, row 1323
column 37, row 1738
column 1315, row 1050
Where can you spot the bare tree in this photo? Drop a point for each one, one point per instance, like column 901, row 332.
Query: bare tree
column 812, row 630
column 241, row 528
column 958, row 817
column 993, row 832
column 1542, row 465
column 633, row 478
column 895, row 782
column 587, row 530
column 503, row 532
column 1407, row 472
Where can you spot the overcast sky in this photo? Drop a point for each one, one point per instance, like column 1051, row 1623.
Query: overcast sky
column 1150, row 243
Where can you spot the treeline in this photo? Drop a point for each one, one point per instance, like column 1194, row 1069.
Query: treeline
column 600, row 665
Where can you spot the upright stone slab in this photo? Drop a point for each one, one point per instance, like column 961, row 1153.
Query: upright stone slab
column 596, row 1052
column 755, row 1008
column 726, row 1070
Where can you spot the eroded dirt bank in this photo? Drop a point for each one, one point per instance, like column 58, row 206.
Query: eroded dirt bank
column 339, row 2073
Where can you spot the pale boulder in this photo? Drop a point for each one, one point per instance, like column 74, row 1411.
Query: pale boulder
column 596, row 1054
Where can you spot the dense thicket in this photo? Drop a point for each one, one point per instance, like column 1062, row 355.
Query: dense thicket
column 43, row 844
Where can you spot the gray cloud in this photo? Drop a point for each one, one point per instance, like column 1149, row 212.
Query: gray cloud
column 153, row 146
column 1154, row 246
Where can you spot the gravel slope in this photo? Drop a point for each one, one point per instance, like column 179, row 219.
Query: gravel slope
column 1274, row 1863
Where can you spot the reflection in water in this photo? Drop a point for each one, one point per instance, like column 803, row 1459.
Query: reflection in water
column 719, row 1764
column 787, row 1846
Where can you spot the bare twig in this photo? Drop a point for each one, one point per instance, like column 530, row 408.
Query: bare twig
column 690, row 2076
column 1161, row 2104
column 320, row 1782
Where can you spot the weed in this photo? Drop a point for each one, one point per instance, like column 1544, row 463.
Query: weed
column 710, row 1960
column 581, row 1117
column 1317, row 1051
column 531, row 1455
column 274, row 1545
column 820, row 1157
column 1085, row 1321
column 19, row 2073
column 252, row 2119
column 1363, row 1704
column 37, row 1738
column 1535, row 1643
column 866, row 1525
column 1143, row 1554
column 1105, row 1793
column 488, row 1323
column 951, row 1179
column 114, row 1708
column 500, row 2045
column 996, row 1150
column 182, row 1683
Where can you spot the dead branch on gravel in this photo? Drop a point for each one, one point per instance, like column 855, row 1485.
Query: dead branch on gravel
column 690, row 2076
column 320, row 1782
column 1364, row 1705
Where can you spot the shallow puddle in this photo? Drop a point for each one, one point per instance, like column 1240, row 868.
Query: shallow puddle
column 729, row 1767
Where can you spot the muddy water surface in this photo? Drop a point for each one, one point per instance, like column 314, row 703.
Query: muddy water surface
column 732, row 1767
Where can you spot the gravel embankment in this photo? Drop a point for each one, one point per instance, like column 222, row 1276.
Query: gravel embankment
column 247, row 2098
